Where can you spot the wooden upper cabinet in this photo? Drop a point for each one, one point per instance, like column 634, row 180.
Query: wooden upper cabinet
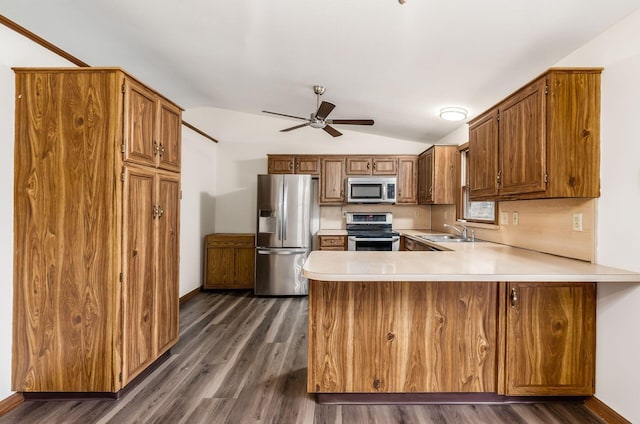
column 307, row 165
column 153, row 128
column 280, row 164
column 544, row 140
column 407, row 180
column 290, row 164
column 523, row 140
column 140, row 145
column 483, row 156
column 332, row 180
column 169, row 136
column 550, row 339
column 437, row 175
column 365, row 165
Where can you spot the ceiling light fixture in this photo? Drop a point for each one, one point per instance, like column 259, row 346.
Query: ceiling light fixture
column 453, row 113
column 402, row 1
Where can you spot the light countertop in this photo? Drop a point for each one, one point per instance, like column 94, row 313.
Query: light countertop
column 479, row 261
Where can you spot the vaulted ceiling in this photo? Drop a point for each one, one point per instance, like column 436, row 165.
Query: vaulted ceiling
column 395, row 63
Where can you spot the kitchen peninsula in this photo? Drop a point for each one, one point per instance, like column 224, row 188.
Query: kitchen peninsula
column 479, row 318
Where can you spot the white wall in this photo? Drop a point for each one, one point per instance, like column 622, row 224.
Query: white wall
column 618, row 235
column 15, row 51
column 245, row 140
column 198, row 205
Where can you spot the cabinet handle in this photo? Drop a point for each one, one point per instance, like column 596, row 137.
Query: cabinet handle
column 499, row 177
column 156, row 148
column 290, row 165
column 155, row 211
column 161, row 150
column 514, row 297
column 160, row 212
column 430, row 190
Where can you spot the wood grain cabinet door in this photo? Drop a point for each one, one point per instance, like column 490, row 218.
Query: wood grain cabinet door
column 550, row 339
column 426, row 177
column 140, row 109
column 169, row 136
column 407, row 180
column 357, row 165
column 167, row 275
column 307, row 165
column 522, row 129
column 483, row 156
column 281, row 164
column 385, row 166
column 332, row 181
column 139, row 264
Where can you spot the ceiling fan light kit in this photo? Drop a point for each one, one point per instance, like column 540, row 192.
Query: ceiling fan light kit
column 318, row 119
column 453, row 113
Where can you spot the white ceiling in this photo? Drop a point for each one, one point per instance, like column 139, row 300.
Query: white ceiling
column 397, row 64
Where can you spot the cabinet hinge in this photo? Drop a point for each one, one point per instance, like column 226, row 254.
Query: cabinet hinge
column 123, row 87
column 546, row 90
column 120, row 377
column 121, row 277
column 122, row 176
column 122, row 146
column 498, row 116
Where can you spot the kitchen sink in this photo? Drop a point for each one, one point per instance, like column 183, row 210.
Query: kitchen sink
column 440, row 238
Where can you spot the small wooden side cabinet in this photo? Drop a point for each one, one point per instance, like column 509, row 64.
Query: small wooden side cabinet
column 229, row 261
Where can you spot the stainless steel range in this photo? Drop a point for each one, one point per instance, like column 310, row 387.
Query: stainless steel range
column 371, row 231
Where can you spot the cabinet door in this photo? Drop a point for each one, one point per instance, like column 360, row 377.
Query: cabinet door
column 281, row 165
column 220, row 267
column 244, row 262
column 483, row 156
column 407, row 180
column 332, row 181
column 169, row 136
column 522, row 132
column 385, row 166
column 358, row 165
column 168, row 254
column 308, row 165
column 550, row 339
column 139, row 272
column 426, row 170
column 140, row 124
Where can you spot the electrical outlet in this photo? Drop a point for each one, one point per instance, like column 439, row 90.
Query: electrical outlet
column 577, row 222
column 516, row 218
column 504, row 218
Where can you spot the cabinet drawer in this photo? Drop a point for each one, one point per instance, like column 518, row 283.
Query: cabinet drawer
column 332, row 242
column 229, row 240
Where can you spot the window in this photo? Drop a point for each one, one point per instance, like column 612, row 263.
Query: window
column 472, row 211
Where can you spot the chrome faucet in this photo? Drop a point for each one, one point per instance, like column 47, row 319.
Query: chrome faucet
column 462, row 232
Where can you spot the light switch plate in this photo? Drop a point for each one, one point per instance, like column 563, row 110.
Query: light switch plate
column 504, row 218
column 516, row 218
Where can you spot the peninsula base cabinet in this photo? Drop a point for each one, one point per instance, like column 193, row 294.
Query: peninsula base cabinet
column 96, row 229
column 513, row 339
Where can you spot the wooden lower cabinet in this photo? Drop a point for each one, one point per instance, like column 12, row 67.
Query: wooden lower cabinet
column 401, row 337
column 333, row 242
column 229, row 261
column 411, row 245
column 550, row 339
column 514, row 339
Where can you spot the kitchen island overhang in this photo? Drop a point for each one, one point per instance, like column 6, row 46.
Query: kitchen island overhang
column 482, row 324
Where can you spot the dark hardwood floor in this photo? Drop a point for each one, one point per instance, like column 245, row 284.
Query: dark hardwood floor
column 242, row 359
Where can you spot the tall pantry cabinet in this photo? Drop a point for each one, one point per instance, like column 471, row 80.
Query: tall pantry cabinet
column 96, row 220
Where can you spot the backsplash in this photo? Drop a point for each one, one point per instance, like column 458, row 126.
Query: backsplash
column 544, row 225
column 404, row 217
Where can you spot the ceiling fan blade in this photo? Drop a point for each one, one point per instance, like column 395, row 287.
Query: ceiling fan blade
column 334, row 132
column 295, row 128
column 283, row 114
column 324, row 110
column 351, row 121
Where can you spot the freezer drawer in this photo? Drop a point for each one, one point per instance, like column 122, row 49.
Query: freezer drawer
column 279, row 272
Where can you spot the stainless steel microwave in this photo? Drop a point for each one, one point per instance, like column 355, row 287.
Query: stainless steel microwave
column 371, row 190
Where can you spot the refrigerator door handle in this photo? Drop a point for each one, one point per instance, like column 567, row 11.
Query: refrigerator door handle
column 285, row 207
column 280, row 251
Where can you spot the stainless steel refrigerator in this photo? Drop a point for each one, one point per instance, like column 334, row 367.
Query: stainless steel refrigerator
column 284, row 234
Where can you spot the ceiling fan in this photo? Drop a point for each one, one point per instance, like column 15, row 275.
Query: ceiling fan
column 319, row 119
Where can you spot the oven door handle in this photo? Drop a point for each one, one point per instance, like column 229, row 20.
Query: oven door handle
column 392, row 238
